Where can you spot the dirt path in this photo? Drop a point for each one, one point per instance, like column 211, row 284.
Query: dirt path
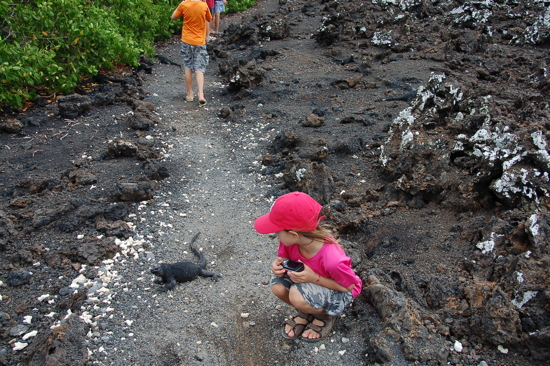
column 214, row 189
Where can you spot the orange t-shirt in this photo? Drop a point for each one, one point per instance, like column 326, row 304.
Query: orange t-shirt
column 195, row 14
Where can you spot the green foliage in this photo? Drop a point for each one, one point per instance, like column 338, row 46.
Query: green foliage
column 46, row 46
column 235, row 6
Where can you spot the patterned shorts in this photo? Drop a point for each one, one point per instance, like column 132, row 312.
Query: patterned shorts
column 194, row 57
column 219, row 7
column 317, row 296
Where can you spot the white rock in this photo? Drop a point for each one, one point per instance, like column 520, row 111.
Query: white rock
column 245, row 315
column 43, row 297
column 341, row 353
column 458, row 346
column 502, row 349
column 29, row 335
column 18, row 346
column 78, row 281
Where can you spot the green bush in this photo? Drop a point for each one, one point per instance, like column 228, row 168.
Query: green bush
column 235, row 6
column 46, row 46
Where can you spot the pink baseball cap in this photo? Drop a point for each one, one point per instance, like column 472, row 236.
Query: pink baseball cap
column 292, row 211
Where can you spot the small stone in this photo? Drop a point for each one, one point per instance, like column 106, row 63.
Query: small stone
column 18, row 278
column 313, row 120
column 18, row 330
column 457, row 346
column 502, row 349
column 18, row 346
column 11, row 125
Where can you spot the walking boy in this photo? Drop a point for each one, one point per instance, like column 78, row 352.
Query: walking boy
column 193, row 52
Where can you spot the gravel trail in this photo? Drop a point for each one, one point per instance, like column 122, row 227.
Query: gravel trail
column 215, row 189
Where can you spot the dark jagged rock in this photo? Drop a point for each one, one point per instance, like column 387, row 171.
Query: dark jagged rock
column 18, row 278
column 74, row 105
column 135, row 192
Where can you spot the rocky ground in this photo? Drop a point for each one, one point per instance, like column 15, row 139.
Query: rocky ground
column 422, row 129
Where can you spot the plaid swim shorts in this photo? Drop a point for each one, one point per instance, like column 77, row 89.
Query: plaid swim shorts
column 317, row 296
column 194, row 57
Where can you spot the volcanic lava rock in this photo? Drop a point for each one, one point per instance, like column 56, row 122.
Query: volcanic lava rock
column 18, row 278
column 74, row 105
column 11, row 125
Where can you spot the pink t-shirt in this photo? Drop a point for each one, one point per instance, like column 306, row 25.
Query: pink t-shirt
column 331, row 262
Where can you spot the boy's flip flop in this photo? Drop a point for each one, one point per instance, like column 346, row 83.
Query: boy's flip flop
column 189, row 100
column 202, row 103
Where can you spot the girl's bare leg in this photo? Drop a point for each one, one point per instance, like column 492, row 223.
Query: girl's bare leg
column 282, row 293
column 297, row 300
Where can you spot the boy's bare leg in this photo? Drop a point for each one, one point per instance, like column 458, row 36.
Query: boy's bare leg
column 199, row 75
column 189, row 83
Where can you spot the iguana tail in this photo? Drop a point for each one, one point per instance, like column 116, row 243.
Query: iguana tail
column 202, row 259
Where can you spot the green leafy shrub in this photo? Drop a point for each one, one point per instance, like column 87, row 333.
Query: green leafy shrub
column 235, row 6
column 46, row 46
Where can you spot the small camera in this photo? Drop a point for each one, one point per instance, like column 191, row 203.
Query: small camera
column 293, row 266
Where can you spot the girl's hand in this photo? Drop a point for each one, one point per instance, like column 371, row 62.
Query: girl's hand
column 276, row 267
column 307, row 275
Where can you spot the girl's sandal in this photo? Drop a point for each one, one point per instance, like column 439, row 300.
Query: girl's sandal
column 323, row 330
column 297, row 328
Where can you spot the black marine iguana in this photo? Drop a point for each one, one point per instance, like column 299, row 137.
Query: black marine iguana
column 405, row 97
column 342, row 61
column 182, row 271
column 104, row 79
column 166, row 60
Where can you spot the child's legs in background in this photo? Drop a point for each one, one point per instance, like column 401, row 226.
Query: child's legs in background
column 216, row 27
column 189, row 83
